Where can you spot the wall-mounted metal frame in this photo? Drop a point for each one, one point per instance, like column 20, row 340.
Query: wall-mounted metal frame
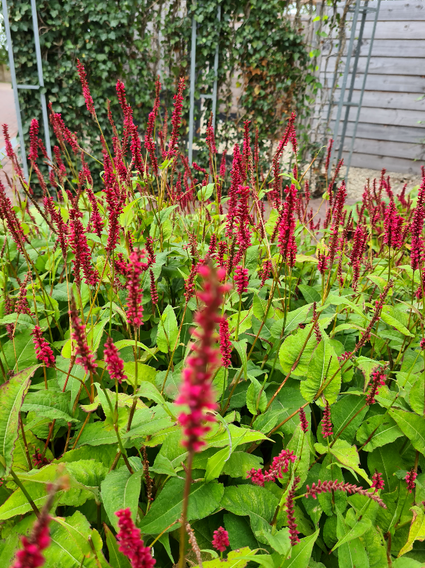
column 212, row 96
column 16, row 87
column 339, row 140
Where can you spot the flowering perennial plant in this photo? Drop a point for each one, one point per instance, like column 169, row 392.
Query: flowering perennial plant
column 209, row 412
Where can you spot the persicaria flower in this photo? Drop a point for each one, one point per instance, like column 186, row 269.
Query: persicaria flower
column 303, row 421
column 43, row 351
column 377, row 380
column 287, row 244
column 33, row 154
column 38, row 459
column 265, row 272
column 176, row 118
column 196, row 391
column 256, row 476
column 86, row 90
column 114, row 363
column 410, row 480
column 326, row 422
column 329, row 486
column 377, row 481
column 221, row 539
column 278, row 467
column 85, row 357
column 290, row 513
column 225, row 343
column 241, row 280
column 130, row 542
column 422, row 344
column 154, row 291
column 135, row 293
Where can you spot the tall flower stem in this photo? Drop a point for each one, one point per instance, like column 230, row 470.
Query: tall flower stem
column 186, row 494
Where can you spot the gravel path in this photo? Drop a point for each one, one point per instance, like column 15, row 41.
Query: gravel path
column 357, row 179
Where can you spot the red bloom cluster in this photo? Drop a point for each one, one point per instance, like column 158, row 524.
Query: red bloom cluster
column 377, row 379
column 329, row 486
column 78, row 242
column 326, row 421
column 377, row 481
column 303, row 421
column 410, row 480
column 393, row 224
column 86, row 90
column 43, row 351
column 241, row 280
column 114, row 363
column 278, row 467
column 85, row 357
column 287, row 244
column 8, row 215
column 176, row 118
column 290, row 513
column 196, row 391
column 154, row 291
column 31, row 555
column 225, row 343
column 33, row 153
column 130, row 542
column 221, row 539
column 135, row 292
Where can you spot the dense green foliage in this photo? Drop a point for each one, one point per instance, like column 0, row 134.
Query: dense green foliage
column 134, row 41
column 338, row 306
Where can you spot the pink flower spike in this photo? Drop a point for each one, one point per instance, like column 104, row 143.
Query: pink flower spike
column 303, row 421
column 225, row 343
column 326, row 422
column 256, row 476
column 221, row 539
column 130, row 542
column 290, row 513
column 43, row 350
column 114, row 363
column 135, row 293
column 86, row 90
column 241, row 280
column 410, row 480
column 196, row 389
column 85, row 357
column 377, row 481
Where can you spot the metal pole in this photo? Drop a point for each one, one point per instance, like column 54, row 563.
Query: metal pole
column 192, row 89
column 344, row 80
column 15, row 87
column 349, row 104
column 40, row 78
column 372, row 37
column 214, row 97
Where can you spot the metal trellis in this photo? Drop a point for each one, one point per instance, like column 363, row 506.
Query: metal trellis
column 15, row 85
column 212, row 96
column 348, row 102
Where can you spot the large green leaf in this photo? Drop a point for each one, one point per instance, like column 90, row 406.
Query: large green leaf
column 346, row 455
column 240, row 533
column 347, row 415
column 20, row 353
column 12, row 394
column 256, row 502
column 235, row 559
column 351, row 554
column 301, row 552
column 51, row 404
column 323, row 366
column 413, row 426
column 204, row 499
column 416, row 531
column 291, row 349
column 378, row 431
column 167, row 330
column 116, row 558
column 121, row 490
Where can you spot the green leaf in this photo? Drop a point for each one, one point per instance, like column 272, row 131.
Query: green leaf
column 417, row 396
column 20, row 354
column 301, row 552
column 203, row 501
column 347, row 415
column 323, row 366
column 235, row 559
column 123, row 343
column 348, row 456
column 51, row 404
column 205, row 193
column 351, row 554
column 254, row 501
column 393, row 321
column 240, row 463
column 291, row 349
column 240, row 533
column 416, row 531
column 145, row 373
column 379, row 430
column 240, row 347
column 167, row 330
column 412, row 426
column 360, row 527
column 12, row 394
column 121, row 489
column 216, row 463
column 256, row 399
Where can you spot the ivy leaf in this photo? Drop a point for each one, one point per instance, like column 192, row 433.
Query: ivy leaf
column 12, row 394
column 412, row 426
column 121, row 490
column 203, row 501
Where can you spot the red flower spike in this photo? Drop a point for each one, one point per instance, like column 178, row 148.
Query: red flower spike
column 130, row 542
column 329, row 486
column 287, row 244
column 241, row 280
column 326, row 422
column 85, row 357
column 86, row 90
column 377, row 379
column 154, row 291
column 377, row 481
column 225, row 343
column 33, row 153
column 114, row 363
column 196, row 391
column 303, row 421
column 43, row 350
column 176, row 118
column 256, row 476
column 410, row 480
column 135, row 292
column 290, row 513
column 221, row 539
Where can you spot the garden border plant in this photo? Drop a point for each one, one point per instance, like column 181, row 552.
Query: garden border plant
column 193, row 368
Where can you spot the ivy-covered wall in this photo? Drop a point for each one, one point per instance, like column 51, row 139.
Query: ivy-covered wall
column 134, row 40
